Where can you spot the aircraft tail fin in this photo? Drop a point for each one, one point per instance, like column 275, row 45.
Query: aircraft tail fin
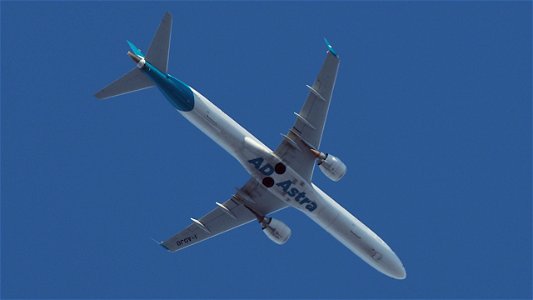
column 132, row 81
column 157, row 54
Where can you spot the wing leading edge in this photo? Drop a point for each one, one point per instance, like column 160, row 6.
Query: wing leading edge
column 309, row 125
column 226, row 216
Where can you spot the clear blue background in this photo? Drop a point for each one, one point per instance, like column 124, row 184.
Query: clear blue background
column 431, row 112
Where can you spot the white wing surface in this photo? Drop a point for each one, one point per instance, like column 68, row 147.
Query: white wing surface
column 226, row 216
column 309, row 126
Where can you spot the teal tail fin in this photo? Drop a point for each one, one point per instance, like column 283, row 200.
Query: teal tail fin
column 135, row 50
column 157, row 55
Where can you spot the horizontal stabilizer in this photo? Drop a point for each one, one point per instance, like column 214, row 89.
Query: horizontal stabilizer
column 132, row 81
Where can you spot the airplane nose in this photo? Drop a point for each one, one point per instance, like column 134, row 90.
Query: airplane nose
column 398, row 272
column 395, row 269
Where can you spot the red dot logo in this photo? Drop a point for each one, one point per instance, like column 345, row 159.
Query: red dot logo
column 268, row 182
column 280, row 168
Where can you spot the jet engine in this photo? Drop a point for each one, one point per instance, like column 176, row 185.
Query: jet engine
column 330, row 165
column 276, row 230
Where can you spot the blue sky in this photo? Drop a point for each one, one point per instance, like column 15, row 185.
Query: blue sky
column 431, row 113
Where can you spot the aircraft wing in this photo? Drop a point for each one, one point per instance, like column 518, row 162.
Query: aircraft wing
column 307, row 130
column 226, row 216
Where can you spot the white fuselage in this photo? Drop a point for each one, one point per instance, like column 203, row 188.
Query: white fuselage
column 291, row 188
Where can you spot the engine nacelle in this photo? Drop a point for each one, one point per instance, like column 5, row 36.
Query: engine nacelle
column 331, row 166
column 276, row 230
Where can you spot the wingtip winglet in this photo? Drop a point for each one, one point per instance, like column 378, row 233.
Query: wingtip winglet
column 160, row 243
column 165, row 247
column 330, row 48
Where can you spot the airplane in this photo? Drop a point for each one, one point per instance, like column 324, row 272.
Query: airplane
column 280, row 178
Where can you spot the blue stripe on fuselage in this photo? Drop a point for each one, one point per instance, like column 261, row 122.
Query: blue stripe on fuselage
column 177, row 93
